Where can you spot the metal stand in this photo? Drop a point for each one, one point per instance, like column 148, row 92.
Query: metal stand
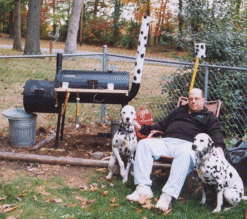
column 60, row 125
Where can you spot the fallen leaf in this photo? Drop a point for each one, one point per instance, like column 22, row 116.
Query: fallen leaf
column 115, row 205
column 105, row 193
column 79, row 198
column 94, row 187
column 113, row 200
column 3, row 198
column 148, row 204
column 48, row 200
column 83, row 187
column 12, row 217
column 57, row 200
column 35, row 198
column 181, row 200
column 85, row 202
column 10, row 209
column 138, row 211
column 22, row 194
column 44, row 193
column 73, row 205
column 91, row 201
column 167, row 212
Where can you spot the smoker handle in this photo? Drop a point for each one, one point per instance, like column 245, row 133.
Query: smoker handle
column 39, row 91
column 92, row 81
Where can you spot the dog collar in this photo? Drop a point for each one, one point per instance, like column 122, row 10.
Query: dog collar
column 122, row 129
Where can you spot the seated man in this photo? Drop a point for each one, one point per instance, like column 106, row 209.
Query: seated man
column 179, row 128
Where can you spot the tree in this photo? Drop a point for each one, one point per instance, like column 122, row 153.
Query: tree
column 32, row 44
column 71, row 41
column 17, row 45
column 218, row 26
column 116, row 16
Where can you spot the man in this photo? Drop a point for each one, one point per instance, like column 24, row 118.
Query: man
column 179, row 127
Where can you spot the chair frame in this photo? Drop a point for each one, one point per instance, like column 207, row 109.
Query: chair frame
column 213, row 106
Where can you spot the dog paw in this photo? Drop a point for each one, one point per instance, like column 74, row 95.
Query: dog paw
column 202, row 202
column 125, row 179
column 108, row 176
column 216, row 210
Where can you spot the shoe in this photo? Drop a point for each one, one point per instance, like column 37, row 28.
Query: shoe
column 164, row 202
column 140, row 192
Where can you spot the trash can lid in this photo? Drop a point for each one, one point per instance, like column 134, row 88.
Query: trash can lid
column 17, row 114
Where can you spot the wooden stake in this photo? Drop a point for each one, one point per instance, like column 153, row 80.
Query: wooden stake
column 37, row 146
column 194, row 74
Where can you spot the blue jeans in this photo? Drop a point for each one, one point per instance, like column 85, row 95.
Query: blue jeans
column 150, row 150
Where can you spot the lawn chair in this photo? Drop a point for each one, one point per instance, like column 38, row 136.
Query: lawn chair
column 213, row 106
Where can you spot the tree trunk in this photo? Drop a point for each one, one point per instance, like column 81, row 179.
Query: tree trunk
column 81, row 23
column 17, row 45
column 116, row 17
column 11, row 25
column 32, row 45
column 180, row 21
column 71, row 41
column 238, row 4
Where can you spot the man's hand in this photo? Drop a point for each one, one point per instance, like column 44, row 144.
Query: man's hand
column 137, row 126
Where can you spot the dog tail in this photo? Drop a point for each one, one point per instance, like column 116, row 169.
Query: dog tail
column 244, row 197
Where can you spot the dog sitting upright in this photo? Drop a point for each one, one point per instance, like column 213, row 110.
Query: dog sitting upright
column 214, row 169
column 123, row 144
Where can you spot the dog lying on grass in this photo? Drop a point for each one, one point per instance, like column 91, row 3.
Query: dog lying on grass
column 214, row 169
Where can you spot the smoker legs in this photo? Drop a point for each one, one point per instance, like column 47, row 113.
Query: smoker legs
column 59, row 124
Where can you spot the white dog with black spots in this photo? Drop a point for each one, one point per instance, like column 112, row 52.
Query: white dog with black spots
column 214, row 169
column 124, row 145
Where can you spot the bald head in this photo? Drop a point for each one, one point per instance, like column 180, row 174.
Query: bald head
column 197, row 91
column 196, row 100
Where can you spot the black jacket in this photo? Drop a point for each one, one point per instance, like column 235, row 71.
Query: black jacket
column 180, row 124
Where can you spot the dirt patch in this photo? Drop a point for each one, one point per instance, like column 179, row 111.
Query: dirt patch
column 81, row 143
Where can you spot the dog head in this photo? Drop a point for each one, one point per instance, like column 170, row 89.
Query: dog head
column 202, row 143
column 128, row 114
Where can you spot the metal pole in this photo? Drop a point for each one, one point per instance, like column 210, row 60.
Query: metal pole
column 103, row 106
column 206, row 83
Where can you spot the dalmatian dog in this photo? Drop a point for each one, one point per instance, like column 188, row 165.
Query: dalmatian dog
column 124, row 145
column 214, row 169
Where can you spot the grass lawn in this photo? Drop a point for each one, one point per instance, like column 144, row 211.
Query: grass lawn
column 23, row 196
column 31, row 197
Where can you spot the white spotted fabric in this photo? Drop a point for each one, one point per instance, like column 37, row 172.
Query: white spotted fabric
column 200, row 50
column 141, row 49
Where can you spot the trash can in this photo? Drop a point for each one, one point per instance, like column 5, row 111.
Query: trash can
column 114, row 127
column 22, row 127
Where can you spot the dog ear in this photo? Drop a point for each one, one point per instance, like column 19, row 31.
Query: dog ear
column 210, row 143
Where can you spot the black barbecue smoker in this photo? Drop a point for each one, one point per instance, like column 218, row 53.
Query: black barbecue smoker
column 73, row 86
column 102, row 87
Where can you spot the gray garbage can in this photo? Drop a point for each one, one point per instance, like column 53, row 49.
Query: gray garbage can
column 22, row 127
column 114, row 127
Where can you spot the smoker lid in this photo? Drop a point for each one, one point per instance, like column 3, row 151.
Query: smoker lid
column 17, row 114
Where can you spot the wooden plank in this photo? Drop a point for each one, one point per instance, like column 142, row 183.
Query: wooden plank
column 63, row 160
column 75, row 90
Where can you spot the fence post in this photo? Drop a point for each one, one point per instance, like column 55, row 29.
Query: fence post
column 206, row 83
column 104, row 64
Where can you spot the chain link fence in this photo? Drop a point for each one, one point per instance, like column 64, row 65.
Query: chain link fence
column 163, row 82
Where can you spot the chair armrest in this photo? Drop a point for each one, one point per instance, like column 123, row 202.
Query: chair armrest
column 155, row 133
